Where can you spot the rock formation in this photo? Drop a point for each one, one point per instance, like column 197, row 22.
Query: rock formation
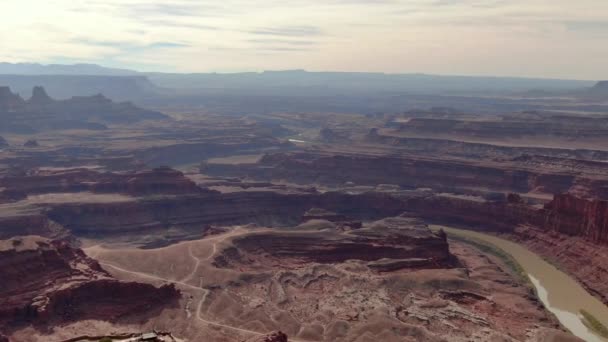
column 42, row 113
column 585, row 218
column 47, row 281
column 521, row 174
column 3, row 142
column 507, row 127
column 160, row 180
column 277, row 336
column 31, row 143
column 40, row 97
column 10, row 102
column 389, row 244
column 569, row 230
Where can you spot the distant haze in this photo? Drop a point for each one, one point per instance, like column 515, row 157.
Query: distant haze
column 535, row 38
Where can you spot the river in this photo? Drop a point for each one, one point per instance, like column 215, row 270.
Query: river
column 560, row 293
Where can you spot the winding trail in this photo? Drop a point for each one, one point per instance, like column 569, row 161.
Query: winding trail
column 183, row 282
column 197, row 261
column 200, row 304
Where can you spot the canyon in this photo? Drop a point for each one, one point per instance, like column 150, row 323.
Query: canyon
column 117, row 220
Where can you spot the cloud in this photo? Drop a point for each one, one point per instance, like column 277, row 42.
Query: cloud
column 163, row 45
column 146, row 9
column 282, row 42
column 128, row 46
column 179, row 24
column 471, row 3
column 289, row 31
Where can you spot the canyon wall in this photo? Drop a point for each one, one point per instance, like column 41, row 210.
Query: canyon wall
column 44, row 280
column 161, row 180
column 194, row 212
column 388, row 245
column 570, row 215
column 569, row 231
column 521, row 174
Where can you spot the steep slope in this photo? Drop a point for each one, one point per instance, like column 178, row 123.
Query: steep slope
column 47, row 282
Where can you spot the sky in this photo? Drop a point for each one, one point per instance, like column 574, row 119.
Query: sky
column 533, row 38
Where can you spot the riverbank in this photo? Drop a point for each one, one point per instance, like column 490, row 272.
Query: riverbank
column 561, row 294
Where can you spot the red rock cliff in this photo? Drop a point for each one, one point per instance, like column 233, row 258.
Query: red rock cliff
column 576, row 216
column 49, row 281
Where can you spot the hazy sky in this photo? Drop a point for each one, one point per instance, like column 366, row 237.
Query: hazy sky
column 548, row 38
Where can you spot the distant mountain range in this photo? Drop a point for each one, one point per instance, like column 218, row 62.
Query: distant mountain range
column 294, row 90
column 304, row 82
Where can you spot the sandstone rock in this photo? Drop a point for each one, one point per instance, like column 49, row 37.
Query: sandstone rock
column 272, row 337
column 161, row 180
column 552, row 335
column 45, row 280
column 574, row 216
column 10, row 102
column 40, row 97
column 409, row 245
column 42, row 113
column 31, row 144
column 515, row 175
column 322, row 214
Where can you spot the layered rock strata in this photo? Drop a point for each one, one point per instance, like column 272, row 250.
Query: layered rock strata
column 46, row 281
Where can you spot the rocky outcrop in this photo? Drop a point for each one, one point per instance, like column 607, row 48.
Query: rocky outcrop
column 406, row 171
column 342, row 222
column 558, row 126
column 44, row 281
column 195, row 151
column 42, row 113
column 573, row 216
column 162, row 180
column 477, row 150
column 476, row 213
column 193, row 212
column 29, row 223
column 31, row 144
column 276, row 336
column 566, row 214
column 40, row 97
column 110, row 299
column 10, row 102
column 570, row 231
column 63, row 85
column 406, row 242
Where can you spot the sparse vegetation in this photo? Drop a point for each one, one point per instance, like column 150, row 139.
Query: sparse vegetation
column 594, row 324
column 488, row 248
column 105, row 339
